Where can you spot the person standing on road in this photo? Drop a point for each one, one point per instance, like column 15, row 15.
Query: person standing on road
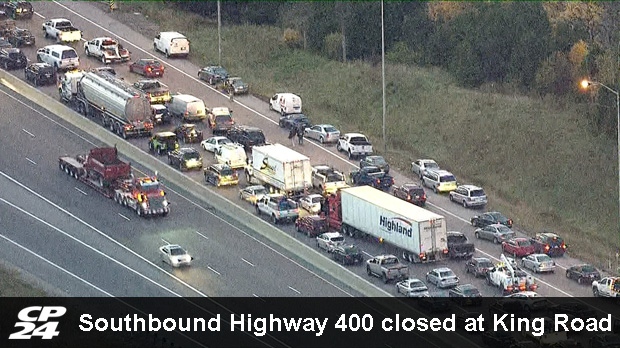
column 291, row 135
column 300, row 134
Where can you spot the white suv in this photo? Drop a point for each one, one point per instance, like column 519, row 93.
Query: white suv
column 469, row 196
column 61, row 57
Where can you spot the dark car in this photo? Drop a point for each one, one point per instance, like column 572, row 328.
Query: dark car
column 461, row 320
column 478, row 266
column 12, row 58
column 499, row 338
column 188, row 133
column 40, row 74
column 236, row 85
column 372, row 176
column 605, row 341
column 311, row 225
column 293, row 121
column 19, row 37
column 549, row 243
column 163, row 142
column 466, row 294
column 185, row 158
column 375, row 161
column 19, row 9
column 246, row 136
column 154, row 90
column 491, row 218
column 147, row 67
column 412, row 193
column 583, row 274
column 221, row 175
column 213, row 74
column 573, row 310
column 348, row 255
column 459, row 246
column 435, row 304
column 4, row 43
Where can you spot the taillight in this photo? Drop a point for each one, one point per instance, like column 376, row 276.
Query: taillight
column 510, row 222
column 422, row 256
column 533, row 287
column 378, row 181
column 148, row 95
column 128, row 127
column 445, row 251
column 392, row 181
column 547, row 247
column 149, row 69
column 509, row 288
column 563, row 246
column 408, row 197
column 522, row 287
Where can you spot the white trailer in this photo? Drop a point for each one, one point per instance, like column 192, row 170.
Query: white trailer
column 421, row 235
column 278, row 166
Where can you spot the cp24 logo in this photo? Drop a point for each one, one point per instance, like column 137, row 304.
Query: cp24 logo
column 46, row 331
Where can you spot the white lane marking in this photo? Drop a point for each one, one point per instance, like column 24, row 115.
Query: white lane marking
column 124, row 217
column 248, row 262
column 202, row 235
column 80, row 191
column 292, row 288
column 367, row 254
column 87, row 245
column 40, row 15
column 191, row 202
column 56, row 265
column 27, row 132
column 214, row 271
column 165, row 241
column 31, row 161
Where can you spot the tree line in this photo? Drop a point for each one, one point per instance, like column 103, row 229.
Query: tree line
column 535, row 48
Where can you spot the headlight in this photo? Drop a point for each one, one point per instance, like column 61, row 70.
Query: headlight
column 144, row 205
column 165, row 203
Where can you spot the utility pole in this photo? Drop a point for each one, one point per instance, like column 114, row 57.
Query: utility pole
column 383, row 77
column 219, row 34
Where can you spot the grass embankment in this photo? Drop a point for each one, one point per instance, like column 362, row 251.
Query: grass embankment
column 12, row 285
column 537, row 160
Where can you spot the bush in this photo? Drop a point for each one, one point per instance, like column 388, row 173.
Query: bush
column 292, row 38
column 333, row 46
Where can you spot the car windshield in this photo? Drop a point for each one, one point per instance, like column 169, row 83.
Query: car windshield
column 350, row 250
column 543, row 258
column 177, row 251
column 337, row 239
column 378, row 161
column 416, row 191
column 257, row 137
column 358, row 140
column 330, row 130
column 446, row 274
column 262, row 191
column 149, row 85
column 223, row 119
column 220, row 71
column 150, row 186
column 333, row 177
column 226, row 172
column 457, row 238
column 498, row 217
column 503, row 230
column 431, row 165
column 315, row 199
column 524, row 243
column 46, row 70
column 477, row 193
column 588, row 268
column 69, row 54
column 485, row 264
column 191, row 155
column 153, row 63
column 447, row 178
column 417, row 284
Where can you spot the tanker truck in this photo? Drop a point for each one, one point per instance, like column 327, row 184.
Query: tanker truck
column 107, row 174
column 109, row 100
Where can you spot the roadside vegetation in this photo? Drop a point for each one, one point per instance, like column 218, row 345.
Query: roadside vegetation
column 542, row 159
column 12, row 285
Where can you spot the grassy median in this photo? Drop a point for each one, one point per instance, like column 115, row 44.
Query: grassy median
column 537, row 159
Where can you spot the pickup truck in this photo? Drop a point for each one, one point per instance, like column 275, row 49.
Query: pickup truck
column 327, row 179
column 278, row 207
column 107, row 50
column 509, row 279
column 420, row 166
column 354, row 144
column 459, row 247
column 386, row 267
column 372, row 176
column 606, row 287
column 62, row 30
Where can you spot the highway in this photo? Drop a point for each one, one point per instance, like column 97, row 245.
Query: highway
column 252, row 111
column 81, row 222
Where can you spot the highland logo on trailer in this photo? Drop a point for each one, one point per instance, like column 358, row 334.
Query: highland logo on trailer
column 396, row 224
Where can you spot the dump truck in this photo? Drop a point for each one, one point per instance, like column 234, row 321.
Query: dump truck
column 420, row 235
column 109, row 100
column 107, row 174
column 280, row 168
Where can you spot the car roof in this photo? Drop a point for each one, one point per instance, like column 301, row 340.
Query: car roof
column 248, row 128
column 455, row 233
column 219, row 137
column 471, row 187
column 520, row 239
column 548, row 235
column 442, row 269
column 498, row 226
column 165, row 134
column 481, row 259
column 220, row 110
column 441, row 172
column 315, row 217
column 412, row 280
column 188, row 125
column 173, row 246
column 188, row 150
column 332, row 234
column 355, row 135
column 412, row 185
column 324, row 125
column 220, row 166
column 314, row 195
column 255, row 187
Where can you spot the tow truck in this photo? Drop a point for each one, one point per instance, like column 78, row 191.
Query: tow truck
column 102, row 170
column 509, row 278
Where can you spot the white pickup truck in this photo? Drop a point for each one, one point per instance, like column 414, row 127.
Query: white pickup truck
column 62, row 30
column 278, row 207
column 606, row 287
column 510, row 279
column 327, row 179
column 107, row 50
column 354, row 144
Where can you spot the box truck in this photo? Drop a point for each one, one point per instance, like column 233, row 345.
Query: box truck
column 279, row 167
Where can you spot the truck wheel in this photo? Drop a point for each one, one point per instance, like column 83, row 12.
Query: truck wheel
column 477, row 235
column 257, row 210
column 474, row 222
column 322, row 140
column 124, row 133
column 368, row 271
column 350, row 155
column 495, row 240
column 167, row 54
column 595, row 292
column 465, row 204
column 139, row 211
column 274, row 219
column 160, row 151
column 217, row 182
column 46, row 34
column 103, row 60
column 151, row 146
column 155, row 47
column 338, row 148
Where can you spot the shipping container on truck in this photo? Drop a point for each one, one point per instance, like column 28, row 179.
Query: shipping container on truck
column 420, row 235
column 279, row 167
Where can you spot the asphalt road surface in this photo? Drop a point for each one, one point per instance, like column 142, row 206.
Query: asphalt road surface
column 180, row 77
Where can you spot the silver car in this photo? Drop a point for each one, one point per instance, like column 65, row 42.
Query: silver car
column 497, row 233
column 538, row 263
column 214, row 143
column 328, row 241
column 175, row 255
column 311, row 203
column 324, row 133
column 469, row 196
column 442, row 278
column 412, row 287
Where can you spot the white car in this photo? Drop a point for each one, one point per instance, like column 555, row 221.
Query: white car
column 328, row 241
column 253, row 193
column 412, row 287
column 442, row 278
column 538, row 263
column 311, row 203
column 420, row 166
column 175, row 255
column 324, row 133
column 214, row 143
column 524, row 294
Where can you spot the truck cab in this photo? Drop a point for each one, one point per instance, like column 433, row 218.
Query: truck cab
column 354, row 144
column 606, row 287
column 327, row 179
column 106, row 49
column 387, row 267
column 510, row 279
column 278, row 207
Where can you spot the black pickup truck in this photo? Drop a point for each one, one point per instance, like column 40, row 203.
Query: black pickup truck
column 12, row 58
column 459, row 247
column 372, row 176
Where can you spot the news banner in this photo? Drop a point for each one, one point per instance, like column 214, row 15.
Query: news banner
column 309, row 322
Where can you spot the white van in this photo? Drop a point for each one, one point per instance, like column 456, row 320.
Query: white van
column 61, row 57
column 231, row 154
column 187, row 107
column 171, row 43
column 285, row 103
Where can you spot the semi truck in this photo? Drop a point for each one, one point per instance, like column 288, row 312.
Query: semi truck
column 279, row 167
column 111, row 101
column 420, row 235
column 105, row 172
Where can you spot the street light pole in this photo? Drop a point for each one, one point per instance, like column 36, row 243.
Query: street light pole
column 586, row 84
column 219, row 35
column 383, row 78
